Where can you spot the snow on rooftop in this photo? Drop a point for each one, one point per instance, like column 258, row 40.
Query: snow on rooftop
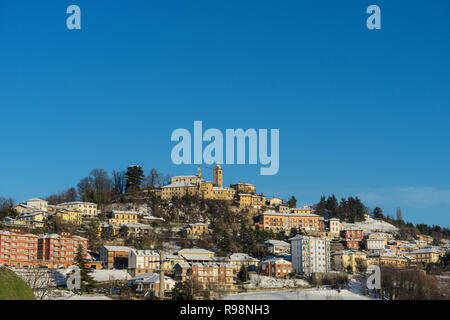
column 118, row 248
column 110, row 275
column 194, row 251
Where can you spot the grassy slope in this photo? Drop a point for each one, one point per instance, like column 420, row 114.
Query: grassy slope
column 12, row 287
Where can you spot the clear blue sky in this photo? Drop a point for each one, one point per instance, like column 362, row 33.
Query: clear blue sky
column 360, row 112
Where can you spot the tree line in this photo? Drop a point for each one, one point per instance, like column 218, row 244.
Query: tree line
column 102, row 188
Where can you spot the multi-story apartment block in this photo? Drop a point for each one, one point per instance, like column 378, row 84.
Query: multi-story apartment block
column 286, row 221
column 247, row 200
column 179, row 190
column 143, row 261
column 119, row 218
column 18, row 250
column 148, row 284
column 310, row 254
column 86, row 208
column 353, row 233
column 207, row 190
column 429, row 255
column 275, row 247
column 196, row 229
column 209, row 275
column 59, row 250
column 39, row 204
column 276, row 267
column 70, row 216
column 114, row 257
column 375, row 243
column 395, row 260
column 35, row 218
column 353, row 236
column 334, row 226
column 348, row 260
column 241, row 259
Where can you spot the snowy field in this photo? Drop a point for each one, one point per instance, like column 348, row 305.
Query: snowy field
column 299, row 294
column 372, row 225
column 67, row 295
column 257, row 281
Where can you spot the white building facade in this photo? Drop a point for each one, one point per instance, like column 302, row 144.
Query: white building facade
column 375, row 244
column 310, row 255
column 143, row 261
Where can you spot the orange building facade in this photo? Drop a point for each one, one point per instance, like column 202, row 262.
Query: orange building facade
column 28, row 250
column 286, row 221
column 18, row 250
column 58, row 251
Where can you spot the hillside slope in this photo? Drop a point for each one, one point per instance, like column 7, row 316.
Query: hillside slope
column 12, row 287
column 373, row 225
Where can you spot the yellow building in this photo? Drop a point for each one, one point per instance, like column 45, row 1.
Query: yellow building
column 302, row 210
column 195, row 186
column 242, row 187
column 426, row 238
column 283, row 209
column 119, row 218
column 195, row 252
column 86, row 208
column 196, row 229
column 246, row 200
column 102, row 227
column 426, row 255
column 179, row 190
column 70, row 216
column 380, row 235
column 349, row 260
column 217, row 176
column 35, row 218
column 395, row 261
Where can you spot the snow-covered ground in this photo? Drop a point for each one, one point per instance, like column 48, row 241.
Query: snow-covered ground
column 68, row 295
column 372, row 225
column 299, row 294
column 110, row 275
column 257, row 281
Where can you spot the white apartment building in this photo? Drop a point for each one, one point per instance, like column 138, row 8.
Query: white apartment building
column 375, row 243
column 38, row 204
column 310, row 255
column 335, row 226
column 87, row 208
column 143, row 261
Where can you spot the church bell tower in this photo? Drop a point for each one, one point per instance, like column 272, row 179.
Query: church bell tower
column 218, row 176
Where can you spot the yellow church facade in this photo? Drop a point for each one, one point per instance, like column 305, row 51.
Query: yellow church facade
column 195, row 186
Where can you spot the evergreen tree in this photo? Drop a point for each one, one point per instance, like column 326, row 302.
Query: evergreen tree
column 243, row 275
column 378, row 213
column 134, row 177
column 80, row 260
column 224, row 243
column 293, row 232
column 332, row 205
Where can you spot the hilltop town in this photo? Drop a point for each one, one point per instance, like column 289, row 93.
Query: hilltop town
column 183, row 237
